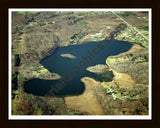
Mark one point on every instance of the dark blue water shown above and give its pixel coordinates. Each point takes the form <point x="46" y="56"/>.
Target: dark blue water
<point x="72" y="70"/>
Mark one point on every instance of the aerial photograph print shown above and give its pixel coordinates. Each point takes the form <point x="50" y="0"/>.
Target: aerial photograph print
<point x="79" y="63"/>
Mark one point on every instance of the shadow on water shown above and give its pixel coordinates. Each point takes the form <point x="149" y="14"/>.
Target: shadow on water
<point x="72" y="70"/>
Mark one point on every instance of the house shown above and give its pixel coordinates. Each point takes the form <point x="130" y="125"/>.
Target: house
<point x="109" y="91"/>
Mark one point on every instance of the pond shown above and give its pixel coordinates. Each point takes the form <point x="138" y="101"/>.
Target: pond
<point x="72" y="70"/>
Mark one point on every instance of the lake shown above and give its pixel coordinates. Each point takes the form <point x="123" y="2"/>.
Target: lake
<point x="72" y="70"/>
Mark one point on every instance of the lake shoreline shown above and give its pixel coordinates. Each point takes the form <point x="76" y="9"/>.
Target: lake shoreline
<point x="117" y="80"/>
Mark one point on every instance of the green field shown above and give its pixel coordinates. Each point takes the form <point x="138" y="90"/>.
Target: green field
<point x="23" y="12"/>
